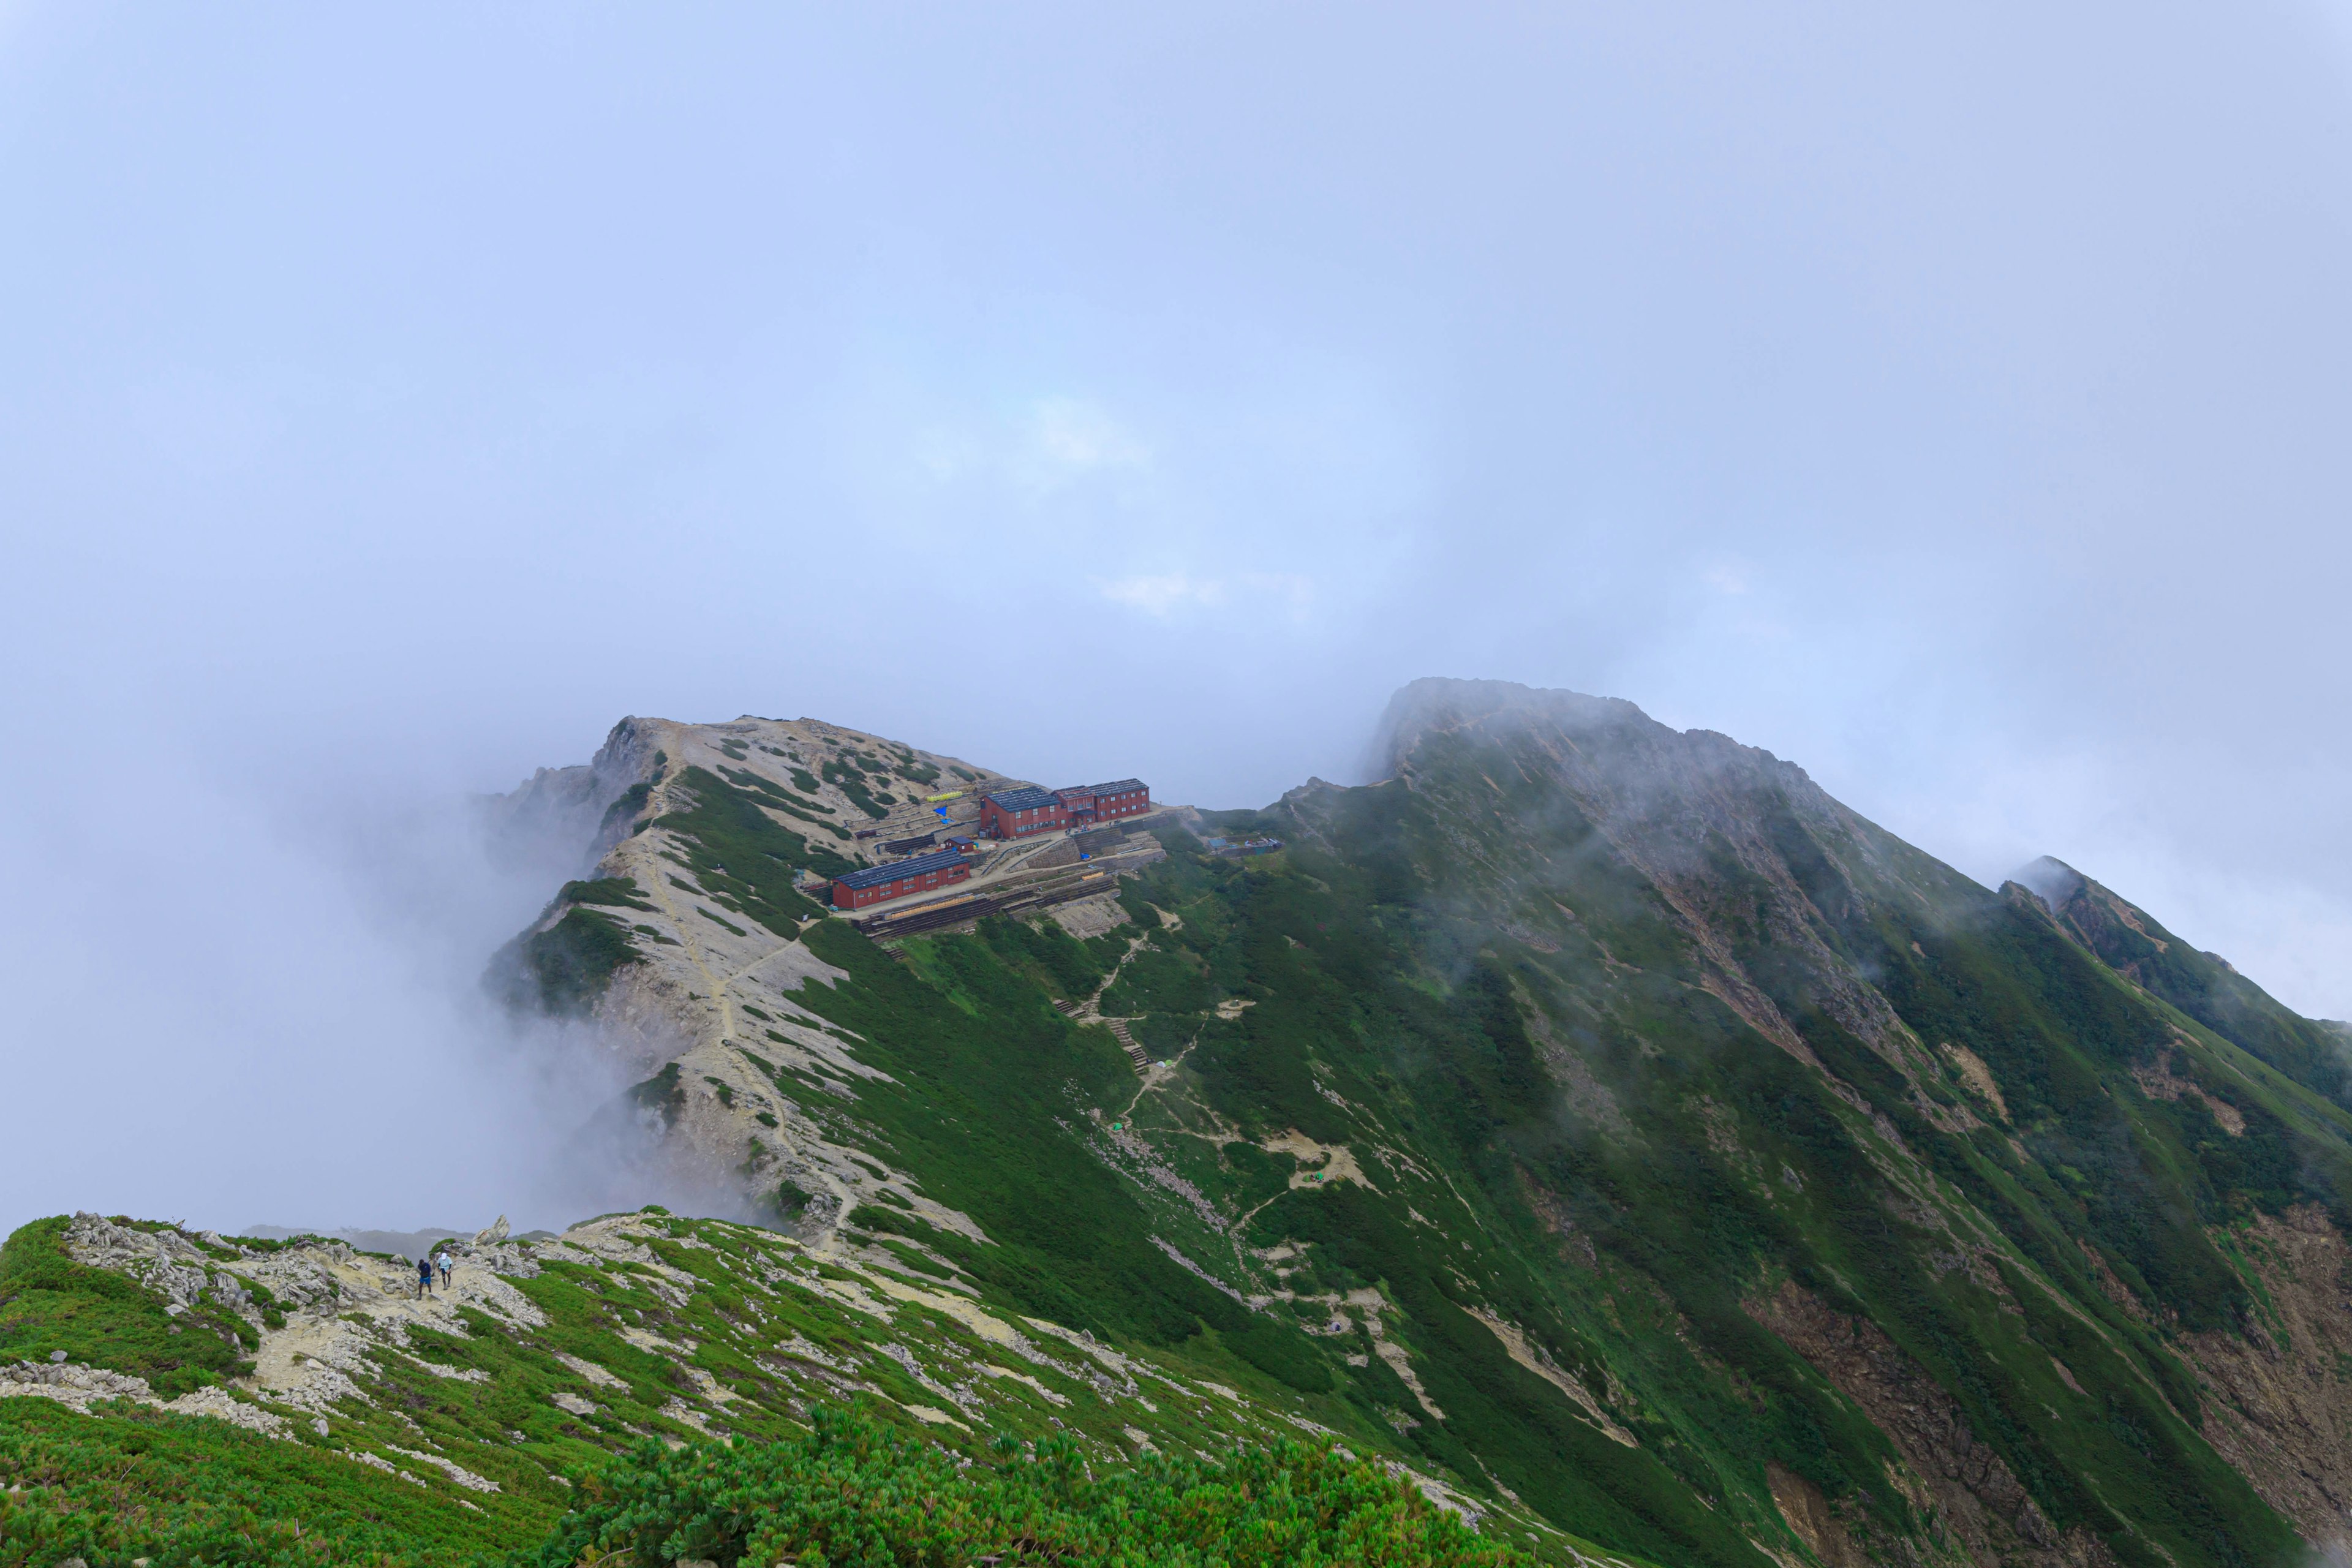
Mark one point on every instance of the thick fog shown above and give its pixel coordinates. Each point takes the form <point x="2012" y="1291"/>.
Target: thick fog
<point x="1952" y="399"/>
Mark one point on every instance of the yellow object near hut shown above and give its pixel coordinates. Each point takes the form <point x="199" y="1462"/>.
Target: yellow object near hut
<point x="935" y="799"/>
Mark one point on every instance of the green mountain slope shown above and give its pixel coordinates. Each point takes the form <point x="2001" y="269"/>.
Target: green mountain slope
<point x="334" y="1415"/>
<point x="2129" y="941"/>
<point x="1597" y="1119"/>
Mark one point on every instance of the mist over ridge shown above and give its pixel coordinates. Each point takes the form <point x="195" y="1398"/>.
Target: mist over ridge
<point x="422" y="1099"/>
<point x="1788" y="390"/>
<point x="1507" y="1116"/>
<point x="1727" y="619"/>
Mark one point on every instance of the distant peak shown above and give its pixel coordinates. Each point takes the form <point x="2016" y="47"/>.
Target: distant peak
<point x="2051" y="879"/>
<point x="1436" y="703"/>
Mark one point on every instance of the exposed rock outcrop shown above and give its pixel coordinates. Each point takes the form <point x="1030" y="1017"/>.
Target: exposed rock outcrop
<point x="1979" y="1506"/>
<point x="2279" y="1404"/>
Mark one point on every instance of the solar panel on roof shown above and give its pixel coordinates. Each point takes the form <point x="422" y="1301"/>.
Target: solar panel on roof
<point x="921" y="865"/>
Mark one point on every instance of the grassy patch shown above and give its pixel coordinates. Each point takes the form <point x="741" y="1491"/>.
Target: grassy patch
<point x="980" y="1097"/>
<point x="615" y="892"/>
<point x="50" y="1303"/>
<point x="562" y="970"/>
<point x="851" y="781"/>
<point x="184" y="1489"/>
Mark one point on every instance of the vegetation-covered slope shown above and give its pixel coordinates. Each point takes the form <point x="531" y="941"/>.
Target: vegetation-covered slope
<point x="180" y="1491"/>
<point x="346" y="1419"/>
<point x="1639" y="1134"/>
<point x="1598" y="1117"/>
<point x="2129" y="940"/>
<point x="851" y="1493"/>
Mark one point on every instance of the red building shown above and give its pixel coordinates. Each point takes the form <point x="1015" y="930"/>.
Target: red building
<point x="857" y="890"/>
<point x="1106" y="802"/>
<point x="1020" y="812"/>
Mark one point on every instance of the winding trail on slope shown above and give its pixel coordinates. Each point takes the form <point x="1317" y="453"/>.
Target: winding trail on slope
<point x="825" y="1238"/>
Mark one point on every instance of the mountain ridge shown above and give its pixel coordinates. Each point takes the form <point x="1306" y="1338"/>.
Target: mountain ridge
<point x="1600" y="1117"/>
<point x="1733" y="869"/>
<point x="1751" y="875"/>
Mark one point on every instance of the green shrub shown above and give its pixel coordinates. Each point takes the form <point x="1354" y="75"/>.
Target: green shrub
<point x="855" y="1492"/>
<point x="619" y="892"/>
<point x="564" y="969"/>
<point x="632" y="800"/>
<point x="190" y="1492"/>
<point x="1071" y="968"/>
<point x="851" y="783"/>
<point x="661" y="1094"/>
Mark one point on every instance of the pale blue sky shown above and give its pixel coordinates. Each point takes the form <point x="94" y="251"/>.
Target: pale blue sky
<point x="1950" y="398"/>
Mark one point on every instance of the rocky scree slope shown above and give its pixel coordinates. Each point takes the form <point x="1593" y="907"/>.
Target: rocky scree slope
<point x="679" y="938"/>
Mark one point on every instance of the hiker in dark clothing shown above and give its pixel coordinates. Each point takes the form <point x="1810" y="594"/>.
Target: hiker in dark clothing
<point x="423" y="1277"/>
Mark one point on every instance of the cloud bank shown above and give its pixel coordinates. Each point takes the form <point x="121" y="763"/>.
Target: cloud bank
<point x="1949" y="401"/>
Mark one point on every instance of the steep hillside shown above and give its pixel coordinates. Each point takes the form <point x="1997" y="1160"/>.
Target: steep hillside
<point x="1621" y="1123"/>
<point x="679" y="932"/>
<point x="2202" y="984"/>
<point x="1597" y="1119"/>
<point x="322" y="1410"/>
<point x="2043" y="1262"/>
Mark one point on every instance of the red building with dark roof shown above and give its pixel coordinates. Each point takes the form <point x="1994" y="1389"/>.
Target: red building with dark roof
<point x="1106" y="802"/>
<point x="856" y="890"/>
<point x="1020" y="812"/>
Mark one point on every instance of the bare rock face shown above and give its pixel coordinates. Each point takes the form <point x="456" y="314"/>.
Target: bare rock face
<point x="1980" y="1504"/>
<point x="2278" y="1406"/>
<point x="553" y="813"/>
<point x="72" y="1383"/>
<point x="76" y="1387"/>
<point x="702" y="1015"/>
<point x="163" y="1260"/>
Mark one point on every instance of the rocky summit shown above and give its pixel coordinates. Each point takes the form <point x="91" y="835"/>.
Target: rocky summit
<point x="1592" y="1139"/>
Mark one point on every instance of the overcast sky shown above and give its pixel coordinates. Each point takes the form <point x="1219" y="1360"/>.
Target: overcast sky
<point x="1952" y="399"/>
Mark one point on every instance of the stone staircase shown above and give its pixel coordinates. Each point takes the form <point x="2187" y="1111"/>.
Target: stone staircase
<point x="1135" y="1053"/>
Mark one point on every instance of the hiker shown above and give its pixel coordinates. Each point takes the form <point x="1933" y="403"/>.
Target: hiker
<point x="423" y="1277"/>
<point x="444" y="1262"/>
